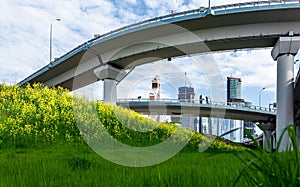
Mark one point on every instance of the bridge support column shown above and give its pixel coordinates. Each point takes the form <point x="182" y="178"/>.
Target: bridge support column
<point x="176" y="118"/>
<point x="110" y="91"/>
<point x="284" y="52"/>
<point x="267" y="136"/>
<point x="267" y="141"/>
<point x="110" y="75"/>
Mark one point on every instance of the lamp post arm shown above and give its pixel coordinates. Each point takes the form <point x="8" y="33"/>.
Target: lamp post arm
<point x="50" y="56"/>
<point x="260" y="96"/>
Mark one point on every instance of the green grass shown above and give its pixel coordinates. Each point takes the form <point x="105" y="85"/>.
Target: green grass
<point x="77" y="165"/>
<point x="272" y="169"/>
<point x="41" y="145"/>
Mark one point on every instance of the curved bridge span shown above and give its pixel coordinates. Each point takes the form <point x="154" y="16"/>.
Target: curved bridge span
<point x="238" y="26"/>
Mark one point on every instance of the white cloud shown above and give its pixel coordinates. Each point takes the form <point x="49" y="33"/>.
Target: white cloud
<point x="172" y="76"/>
<point x="153" y="3"/>
<point x="24" y="38"/>
<point x="133" y="2"/>
<point x="256" y="68"/>
<point x="25" y="28"/>
<point x="138" y="83"/>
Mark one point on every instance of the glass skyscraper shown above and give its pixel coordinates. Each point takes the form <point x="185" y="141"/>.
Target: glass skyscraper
<point x="234" y="89"/>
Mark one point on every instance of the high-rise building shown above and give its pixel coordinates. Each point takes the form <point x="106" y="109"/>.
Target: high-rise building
<point x="186" y="94"/>
<point x="234" y="95"/>
<point x="234" y="89"/>
<point x="251" y="128"/>
<point x="217" y="126"/>
<point x="155" y="92"/>
<point x="204" y="125"/>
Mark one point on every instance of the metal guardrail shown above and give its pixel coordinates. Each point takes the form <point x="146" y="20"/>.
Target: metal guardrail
<point x="197" y="102"/>
<point x="254" y="3"/>
<point x="184" y="13"/>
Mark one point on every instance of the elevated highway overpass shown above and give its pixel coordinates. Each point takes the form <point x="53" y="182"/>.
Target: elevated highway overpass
<point x="214" y="109"/>
<point x="227" y="27"/>
<point x="246" y="25"/>
<point x="265" y="117"/>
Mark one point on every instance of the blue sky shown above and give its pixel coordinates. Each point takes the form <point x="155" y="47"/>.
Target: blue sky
<point x="24" y="45"/>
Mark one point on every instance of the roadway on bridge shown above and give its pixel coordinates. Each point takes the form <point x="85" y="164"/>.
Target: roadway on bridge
<point x="214" y="109"/>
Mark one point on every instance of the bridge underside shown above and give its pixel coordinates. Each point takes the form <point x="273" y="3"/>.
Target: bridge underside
<point x="225" y="112"/>
<point x="175" y="37"/>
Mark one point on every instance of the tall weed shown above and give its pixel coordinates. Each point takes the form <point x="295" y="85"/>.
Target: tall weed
<point x="271" y="169"/>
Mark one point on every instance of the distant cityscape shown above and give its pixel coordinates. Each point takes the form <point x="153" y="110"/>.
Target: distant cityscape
<point x="208" y="125"/>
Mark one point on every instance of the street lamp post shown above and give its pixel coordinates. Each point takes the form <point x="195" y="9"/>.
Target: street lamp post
<point x="260" y="96"/>
<point x="51" y="37"/>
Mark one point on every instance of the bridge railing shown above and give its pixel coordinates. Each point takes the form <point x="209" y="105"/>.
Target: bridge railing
<point x="254" y="3"/>
<point x="172" y="15"/>
<point x="199" y="102"/>
<point x="196" y="11"/>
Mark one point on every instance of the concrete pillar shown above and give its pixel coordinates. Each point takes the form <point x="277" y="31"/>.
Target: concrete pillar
<point x="284" y="51"/>
<point x="176" y="118"/>
<point x="267" y="136"/>
<point x="267" y="141"/>
<point x="110" y="75"/>
<point x="274" y="141"/>
<point x="285" y="96"/>
<point x="110" y="91"/>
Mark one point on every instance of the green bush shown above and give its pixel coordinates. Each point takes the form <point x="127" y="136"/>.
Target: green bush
<point x="36" y="115"/>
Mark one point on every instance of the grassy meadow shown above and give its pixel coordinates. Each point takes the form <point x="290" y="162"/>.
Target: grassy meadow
<point x="44" y="135"/>
<point x="77" y="165"/>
